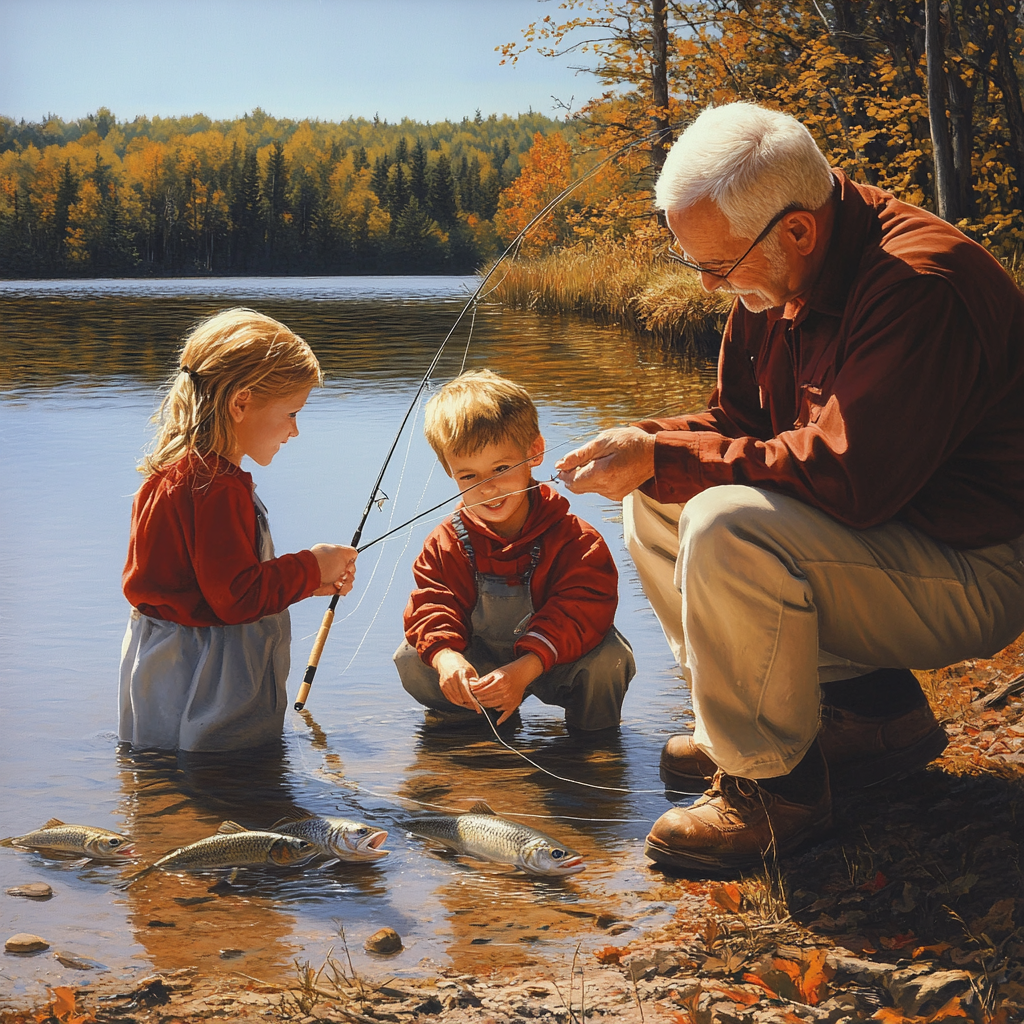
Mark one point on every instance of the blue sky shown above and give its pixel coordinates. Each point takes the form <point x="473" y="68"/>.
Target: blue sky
<point x="428" y="60"/>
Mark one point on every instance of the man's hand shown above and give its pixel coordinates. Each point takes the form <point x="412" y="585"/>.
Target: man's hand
<point x="337" y="569"/>
<point x="456" y="678"/>
<point x="503" y="688"/>
<point x="613" y="464"/>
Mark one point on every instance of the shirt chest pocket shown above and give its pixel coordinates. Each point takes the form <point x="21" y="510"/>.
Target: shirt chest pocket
<point x="811" y="402"/>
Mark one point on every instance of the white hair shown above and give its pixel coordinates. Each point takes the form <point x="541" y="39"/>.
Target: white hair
<point x="750" y="161"/>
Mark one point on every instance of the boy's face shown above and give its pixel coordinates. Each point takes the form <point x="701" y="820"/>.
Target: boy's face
<point x="501" y="503"/>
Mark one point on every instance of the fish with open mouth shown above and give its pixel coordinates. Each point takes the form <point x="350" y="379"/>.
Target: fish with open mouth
<point x="341" y="839"/>
<point x="482" y="834"/>
<point x="243" y="849"/>
<point x="61" y="838"/>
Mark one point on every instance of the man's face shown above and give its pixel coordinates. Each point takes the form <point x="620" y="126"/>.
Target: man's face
<point x="763" y="280"/>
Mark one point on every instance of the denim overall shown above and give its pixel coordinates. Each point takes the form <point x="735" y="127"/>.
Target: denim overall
<point x="590" y="689"/>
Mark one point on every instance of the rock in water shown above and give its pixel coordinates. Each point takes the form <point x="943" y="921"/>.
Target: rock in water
<point x="76" y="962"/>
<point x="34" y="890"/>
<point x="387" y="940"/>
<point x="25" y="943"/>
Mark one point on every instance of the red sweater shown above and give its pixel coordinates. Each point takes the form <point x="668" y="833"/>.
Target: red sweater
<point x="895" y="392"/>
<point x="574" y="587"/>
<point x="193" y="555"/>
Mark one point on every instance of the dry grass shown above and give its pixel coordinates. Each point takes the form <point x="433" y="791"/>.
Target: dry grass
<point x="618" y="284"/>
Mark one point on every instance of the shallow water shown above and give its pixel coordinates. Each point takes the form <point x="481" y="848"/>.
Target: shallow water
<point x="80" y="368"/>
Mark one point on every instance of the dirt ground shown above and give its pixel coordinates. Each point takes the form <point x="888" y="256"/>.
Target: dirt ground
<point x="911" y="912"/>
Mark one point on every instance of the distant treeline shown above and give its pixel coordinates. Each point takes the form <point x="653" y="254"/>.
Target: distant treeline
<point x="256" y="195"/>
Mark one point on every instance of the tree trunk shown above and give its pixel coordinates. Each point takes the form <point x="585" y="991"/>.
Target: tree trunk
<point x="1009" y="85"/>
<point x="961" y="120"/>
<point x="942" y="151"/>
<point x="659" y="82"/>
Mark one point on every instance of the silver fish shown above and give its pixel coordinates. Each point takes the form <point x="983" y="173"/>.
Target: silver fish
<point x="79" y="840"/>
<point x="484" y="835"/>
<point x="339" y="838"/>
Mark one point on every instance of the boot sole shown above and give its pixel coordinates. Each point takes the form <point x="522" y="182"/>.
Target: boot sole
<point x="696" y="860"/>
<point x="899" y="764"/>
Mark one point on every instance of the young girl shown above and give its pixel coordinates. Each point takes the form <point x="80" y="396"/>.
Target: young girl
<point x="206" y="653"/>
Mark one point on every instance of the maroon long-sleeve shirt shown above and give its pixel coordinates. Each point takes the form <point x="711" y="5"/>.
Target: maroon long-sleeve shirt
<point x="896" y="391"/>
<point x="193" y="555"/>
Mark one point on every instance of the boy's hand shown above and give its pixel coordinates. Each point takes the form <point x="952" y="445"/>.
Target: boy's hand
<point x="337" y="569"/>
<point x="503" y="688"/>
<point x="456" y="677"/>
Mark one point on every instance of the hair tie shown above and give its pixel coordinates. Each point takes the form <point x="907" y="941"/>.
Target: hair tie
<point x="192" y="375"/>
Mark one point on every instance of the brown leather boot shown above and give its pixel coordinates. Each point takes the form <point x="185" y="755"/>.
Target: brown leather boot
<point x="860" y="751"/>
<point x="737" y="824"/>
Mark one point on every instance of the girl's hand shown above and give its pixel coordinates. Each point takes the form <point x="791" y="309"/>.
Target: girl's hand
<point x="456" y="676"/>
<point x="503" y="688"/>
<point x="337" y="569"/>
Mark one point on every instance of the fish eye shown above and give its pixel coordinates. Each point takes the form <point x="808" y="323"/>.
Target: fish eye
<point x="362" y="831"/>
<point x="114" y="842"/>
<point x="558" y="854"/>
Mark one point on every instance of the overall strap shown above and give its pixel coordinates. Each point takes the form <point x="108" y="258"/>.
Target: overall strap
<point x="463" y="534"/>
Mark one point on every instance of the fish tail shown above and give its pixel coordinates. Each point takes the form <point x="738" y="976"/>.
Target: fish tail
<point x="122" y="886"/>
<point x="9" y="841"/>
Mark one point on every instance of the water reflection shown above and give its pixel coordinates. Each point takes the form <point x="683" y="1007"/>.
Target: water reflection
<point x="204" y="918"/>
<point x="78" y="378"/>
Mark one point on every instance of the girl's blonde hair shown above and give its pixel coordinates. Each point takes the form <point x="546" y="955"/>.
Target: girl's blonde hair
<point x="234" y="350"/>
<point x="476" y="409"/>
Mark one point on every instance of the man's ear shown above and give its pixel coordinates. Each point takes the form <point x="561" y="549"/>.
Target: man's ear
<point x="801" y="231"/>
<point x="535" y="453"/>
<point x="239" y="403"/>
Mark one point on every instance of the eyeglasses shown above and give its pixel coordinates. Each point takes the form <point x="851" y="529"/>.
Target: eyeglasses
<point x="677" y="256"/>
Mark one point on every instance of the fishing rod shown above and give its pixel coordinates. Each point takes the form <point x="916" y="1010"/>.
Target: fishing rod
<point x="328" y="619"/>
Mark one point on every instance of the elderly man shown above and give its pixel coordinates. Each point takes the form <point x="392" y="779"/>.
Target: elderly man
<point x="854" y="495"/>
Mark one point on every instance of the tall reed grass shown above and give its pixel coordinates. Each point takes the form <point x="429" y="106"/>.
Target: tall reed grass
<point x="618" y="284"/>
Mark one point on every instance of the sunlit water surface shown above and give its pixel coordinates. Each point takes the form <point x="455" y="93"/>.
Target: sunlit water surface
<point x="81" y="364"/>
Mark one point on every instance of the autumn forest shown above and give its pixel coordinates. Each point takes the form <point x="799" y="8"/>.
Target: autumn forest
<point x="922" y="98"/>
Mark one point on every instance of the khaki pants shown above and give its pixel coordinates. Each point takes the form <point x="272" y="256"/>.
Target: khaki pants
<point x="762" y="597"/>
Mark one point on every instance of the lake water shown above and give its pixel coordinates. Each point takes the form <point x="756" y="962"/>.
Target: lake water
<point x="81" y="364"/>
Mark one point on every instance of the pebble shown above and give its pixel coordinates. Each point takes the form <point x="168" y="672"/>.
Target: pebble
<point x="34" y="890"/>
<point x="387" y="940"/>
<point x="76" y="962"/>
<point x="23" y="942"/>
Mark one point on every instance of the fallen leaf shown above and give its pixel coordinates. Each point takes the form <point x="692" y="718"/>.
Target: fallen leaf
<point x="938" y="949"/>
<point x="728" y="897"/>
<point x="609" y="954"/>
<point x="739" y="995"/>
<point x="753" y="979"/>
<point x="876" y="883"/>
<point x="63" y="1002"/>
<point x="898" y="941"/>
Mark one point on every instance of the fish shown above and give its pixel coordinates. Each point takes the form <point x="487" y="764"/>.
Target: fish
<point x="246" y="849"/>
<point x="482" y="834"/>
<point x="338" y="838"/>
<point x="59" y="837"/>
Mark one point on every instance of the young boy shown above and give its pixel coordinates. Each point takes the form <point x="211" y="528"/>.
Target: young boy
<point x="514" y="595"/>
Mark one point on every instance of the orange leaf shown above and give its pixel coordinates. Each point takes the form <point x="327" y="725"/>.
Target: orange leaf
<point x="888" y="1015"/>
<point x="738" y="995"/>
<point x="609" y="954"/>
<point x="753" y="979"/>
<point x="63" y="1002"/>
<point x="728" y="897"/>
<point x="952" y="1010"/>
<point x="898" y="941"/>
<point x="938" y="949"/>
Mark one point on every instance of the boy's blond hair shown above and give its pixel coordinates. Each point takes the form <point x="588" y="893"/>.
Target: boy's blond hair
<point x="476" y="409"/>
<point x="234" y="350"/>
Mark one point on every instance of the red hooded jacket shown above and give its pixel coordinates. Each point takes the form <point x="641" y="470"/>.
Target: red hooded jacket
<point x="574" y="587"/>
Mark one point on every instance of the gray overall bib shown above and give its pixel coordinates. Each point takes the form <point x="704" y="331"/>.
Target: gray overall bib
<point x="205" y="688"/>
<point x="590" y="689"/>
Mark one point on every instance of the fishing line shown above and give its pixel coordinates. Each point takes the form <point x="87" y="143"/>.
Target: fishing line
<point x="455" y="497"/>
<point x="513" y="246"/>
